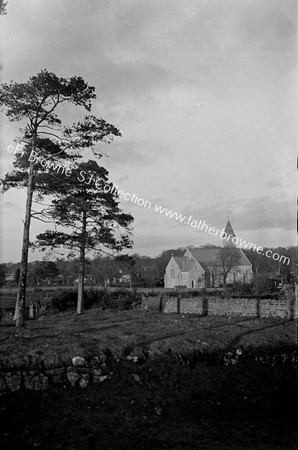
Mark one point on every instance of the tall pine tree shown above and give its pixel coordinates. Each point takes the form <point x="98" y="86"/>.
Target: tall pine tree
<point x="44" y="140"/>
<point x="87" y="217"/>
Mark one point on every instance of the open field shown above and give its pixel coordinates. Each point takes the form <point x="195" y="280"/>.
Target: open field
<point x="135" y="331"/>
<point x="175" y="399"/>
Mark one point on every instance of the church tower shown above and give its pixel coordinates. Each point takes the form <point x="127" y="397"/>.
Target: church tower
<point x="229" y="235"/>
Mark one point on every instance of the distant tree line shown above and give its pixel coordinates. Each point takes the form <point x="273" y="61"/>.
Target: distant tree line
<point x="142" y="271"/>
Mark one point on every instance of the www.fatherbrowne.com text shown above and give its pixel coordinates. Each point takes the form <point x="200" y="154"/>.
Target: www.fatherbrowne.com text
<point x="90" y="178"/>
<point x="201" y="225"/>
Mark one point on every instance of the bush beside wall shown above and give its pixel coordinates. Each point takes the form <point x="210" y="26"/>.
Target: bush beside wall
<point x="117" y="300"/>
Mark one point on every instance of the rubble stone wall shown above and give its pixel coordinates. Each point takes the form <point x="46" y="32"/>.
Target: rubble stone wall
<point x="282" y="308"/>
<point x="77" y="372"/>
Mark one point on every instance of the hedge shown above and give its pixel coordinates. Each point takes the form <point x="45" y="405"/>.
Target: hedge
<point x="119" y="300"/>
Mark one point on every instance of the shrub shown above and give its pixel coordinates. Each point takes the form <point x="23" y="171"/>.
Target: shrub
<point x="37" y="289"/>
<point x="96" y="297"/>
<point x="287" y="291"/>
<point x="114" y="300"/>
<point x="122" y="299"/>
<point x="210" y="292"/>
<point x="239" y="290"/>
<point x="174" y="294"/>
<point x="194" y="293"/>
<point x="65" y="300"/>
<point x="262" y="284"/>
<point x="151" y="294"/>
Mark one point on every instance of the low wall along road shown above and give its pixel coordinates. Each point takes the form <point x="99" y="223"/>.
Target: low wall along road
<point x="280" y="308"/>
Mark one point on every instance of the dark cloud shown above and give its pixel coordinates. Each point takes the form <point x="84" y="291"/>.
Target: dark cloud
<point x="267" y="212"/>
<point x="248" y="214"/>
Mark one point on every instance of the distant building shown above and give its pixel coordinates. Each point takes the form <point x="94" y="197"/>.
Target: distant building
<point x="10" y="276"/>
<point x="125" y="278"/>
<point x="121" y="279"/>
<point x="203" y="267"/>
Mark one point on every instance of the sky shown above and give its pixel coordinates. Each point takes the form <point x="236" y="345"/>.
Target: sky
<point x="204" y="93"/>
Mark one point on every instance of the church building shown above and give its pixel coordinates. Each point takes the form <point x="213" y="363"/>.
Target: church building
<point x="209" y="267"/>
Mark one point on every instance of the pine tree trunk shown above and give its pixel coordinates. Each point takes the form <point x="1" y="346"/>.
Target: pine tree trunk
<point x="19" y="315"/>
<point x="80" y="303"/>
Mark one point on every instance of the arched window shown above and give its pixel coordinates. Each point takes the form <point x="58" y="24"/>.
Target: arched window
<point x="192" y="283"/>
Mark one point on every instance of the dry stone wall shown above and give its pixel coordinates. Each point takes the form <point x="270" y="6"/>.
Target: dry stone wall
<point x="38" y="373"/>
<point x="282" y="308"/>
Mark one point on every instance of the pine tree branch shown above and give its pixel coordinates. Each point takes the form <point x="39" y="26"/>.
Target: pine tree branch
<point x="41" y="220"/>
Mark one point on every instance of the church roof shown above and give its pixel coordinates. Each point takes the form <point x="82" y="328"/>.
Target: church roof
<point x="188" y="264"/>
<point x="211" y="256"/>
<point x="179" y="261"/>
<point x="185" y="264"/>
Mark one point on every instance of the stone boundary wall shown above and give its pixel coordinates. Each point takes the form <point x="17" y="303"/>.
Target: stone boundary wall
<point x="152" y="303"/>
<point x="39" y="374"/>
<point x="282" y="308"/>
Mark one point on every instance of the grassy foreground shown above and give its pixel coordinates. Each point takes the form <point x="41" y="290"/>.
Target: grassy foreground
<point x="175" y="399"/>
<point x="135" y="331"/>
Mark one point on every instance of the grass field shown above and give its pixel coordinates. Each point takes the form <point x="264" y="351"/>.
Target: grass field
<point x="70" y="334"/>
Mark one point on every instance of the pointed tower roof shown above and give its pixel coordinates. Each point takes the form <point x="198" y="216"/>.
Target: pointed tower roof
<point x="229" y="229"/>
<point x="227" y="241"/>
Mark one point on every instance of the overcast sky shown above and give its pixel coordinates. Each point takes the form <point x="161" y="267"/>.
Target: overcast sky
<point x="204" y="93"/>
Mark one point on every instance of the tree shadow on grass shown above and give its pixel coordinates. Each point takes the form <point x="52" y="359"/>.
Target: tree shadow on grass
<point x="93" y="330"/>
<point x="234" y="322"/>
<point x="145" y="344"/>
<point x="236" y="340"/>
